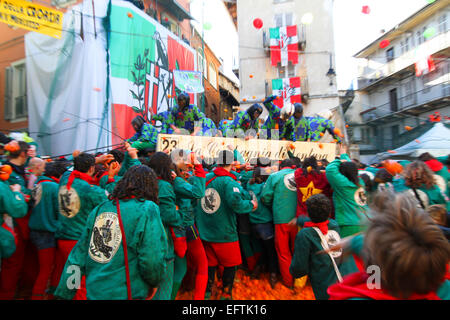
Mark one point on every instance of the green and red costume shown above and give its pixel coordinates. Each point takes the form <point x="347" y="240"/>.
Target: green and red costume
<point x="99" y="253"/>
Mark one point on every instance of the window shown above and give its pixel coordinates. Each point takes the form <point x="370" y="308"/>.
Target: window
<point x="390" y="54"/>
<point x="419" y="37"/>
<point x="201" y="63"/>
<point x="16" y="92"/>
<point x="213" y="75"/>
<point x="286" y="72"/>
<point x="442" y="23"/>
<point x="62" y="3"/>
<point x="284" y="19"/>
<point x="170" y="24"/>
<point x="402" y="47"/>
<point x="409" y="92"/>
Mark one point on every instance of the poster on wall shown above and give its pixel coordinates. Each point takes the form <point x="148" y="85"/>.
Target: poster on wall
<point x="142" y="71"/>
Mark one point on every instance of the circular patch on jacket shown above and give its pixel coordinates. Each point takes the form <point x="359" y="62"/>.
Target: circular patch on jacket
<point x="36" y="194"/>
<point x="69" y="202"/>
<point x="106" y="237"/>
<point x="211" y="201"/>
<point x="289" y="182"/>
<point x="333" y="238"/>
<point x="360" y="197"/>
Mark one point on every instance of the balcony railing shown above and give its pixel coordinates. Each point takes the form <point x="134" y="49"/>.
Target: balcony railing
<point x="408" y="102"/>
<point x="377" y="70"/>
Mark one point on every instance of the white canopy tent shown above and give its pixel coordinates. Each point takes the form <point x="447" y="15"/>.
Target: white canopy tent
<point x="436" y="141"/>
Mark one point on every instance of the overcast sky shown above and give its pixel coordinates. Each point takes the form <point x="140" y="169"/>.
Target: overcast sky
<point x="353" y="29"/>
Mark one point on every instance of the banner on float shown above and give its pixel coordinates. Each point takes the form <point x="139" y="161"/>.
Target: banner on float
<point x="188" y="81"/>
<point x="209" y="147"/>
<point x="143" y="57"/>
<point x="32" y="16"/>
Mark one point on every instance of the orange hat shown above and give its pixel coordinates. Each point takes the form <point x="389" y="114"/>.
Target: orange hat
<point x="393" y="167"/>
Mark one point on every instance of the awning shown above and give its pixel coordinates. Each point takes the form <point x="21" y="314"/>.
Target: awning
<point x="177" y="9"/>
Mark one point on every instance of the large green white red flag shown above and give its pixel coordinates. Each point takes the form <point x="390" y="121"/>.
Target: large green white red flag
<point x="288" y="91"/>
<point x="283" y="45"/>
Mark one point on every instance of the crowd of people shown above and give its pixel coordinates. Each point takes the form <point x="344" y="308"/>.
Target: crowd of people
<point x="138" y="224"/>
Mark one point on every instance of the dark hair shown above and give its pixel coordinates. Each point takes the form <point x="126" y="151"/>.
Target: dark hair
<point x="140" y="182"/>
<point x="258" y="176"/>
<point x="263" y="162"/>
<point x="118" y="155"/>
<point x="408" y="247"/>
<point x="23" y="147"/>
<point x="138" y="122"/>
<point x="310" y="162"/>
<point x="83" y="162"/>
<point x="382" y="176"/>
<point x="318" y="207"/>
<point x="367" y="182"/>
<point x="225" y="158"/>
<point x="350" y="171"/>
<point x="426" y="156"/>
<point x="287" y="163"/>
<point x="161" y="163"/>
<point x="54" y="169"/>
<point x="359" y="164"/>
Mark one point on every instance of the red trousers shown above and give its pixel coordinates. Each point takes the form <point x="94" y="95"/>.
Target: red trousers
<point x="284" y="245"/>
<point x="64" y="248"/>
<point x="46" y="267"/>
<point x="196" y="257"/>
<point x="19" y="270"/>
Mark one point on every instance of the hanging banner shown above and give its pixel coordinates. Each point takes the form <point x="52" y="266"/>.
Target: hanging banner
<point x="188" y="81"/>
<point x="32" y="16"/>
<point x="209" y="147"/>
<point x="143" y="58"/>
<point x="287" y="90"/>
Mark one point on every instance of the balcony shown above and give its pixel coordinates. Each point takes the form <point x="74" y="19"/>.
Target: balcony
<point x="300" y="34"/>
<point x="428" y="99"/>
<point x="375" y="71"/>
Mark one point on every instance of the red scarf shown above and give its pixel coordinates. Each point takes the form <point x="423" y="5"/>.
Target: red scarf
<point x="199" y="171"/>
<point x="323" y="226"/>
<point x="79" y="175"/>
<point x="434" y="165"/>
<point x="355" y="286"/>
<point x="221" y="172"/>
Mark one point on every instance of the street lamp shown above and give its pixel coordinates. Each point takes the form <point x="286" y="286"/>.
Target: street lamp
<point x="331" y="74"/>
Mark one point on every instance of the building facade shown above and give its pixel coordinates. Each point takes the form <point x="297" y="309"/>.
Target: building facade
<point x="404" y="77"/>
<point x="315" y="50"/>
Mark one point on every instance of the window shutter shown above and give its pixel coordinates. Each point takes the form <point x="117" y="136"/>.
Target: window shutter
<point x="8" y="93"/>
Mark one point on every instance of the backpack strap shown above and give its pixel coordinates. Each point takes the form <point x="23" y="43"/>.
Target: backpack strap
<point x="418" y="198"/>
<point x="125" y="251"/>
<point x="210" y="180"/>
<point x="325" y="246"/>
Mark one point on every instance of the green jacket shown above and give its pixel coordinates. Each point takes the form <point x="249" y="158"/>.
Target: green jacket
<point x="318" y="267"/>
<point x="44" y="215"/>
<point x="75" y="206"/>
<point x="350" y="203"/>
<point x="99" y="252"/>
<point x="13" y="204"/>
<point x="216" y="214"/>
<point x="263" y="214"/>
<point x="280" y="194"/>
<point x="170" y="217"/>
<point x="186" y="193"/>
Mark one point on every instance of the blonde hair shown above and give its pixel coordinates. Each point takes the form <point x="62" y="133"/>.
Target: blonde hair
<point x="438" y="213"/>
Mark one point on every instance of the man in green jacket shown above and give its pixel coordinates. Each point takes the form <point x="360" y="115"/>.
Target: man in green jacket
<point x="280" y="194"/>
<point x="77" y="197"/>
<point x="216" y="222"/>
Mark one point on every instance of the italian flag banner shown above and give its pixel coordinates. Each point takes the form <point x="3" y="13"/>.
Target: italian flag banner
<point x="288" y="91"/>
<point x="283" y="45"/>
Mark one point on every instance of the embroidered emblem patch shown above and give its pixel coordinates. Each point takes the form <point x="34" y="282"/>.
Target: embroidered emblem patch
<point x="106" y="237"/>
